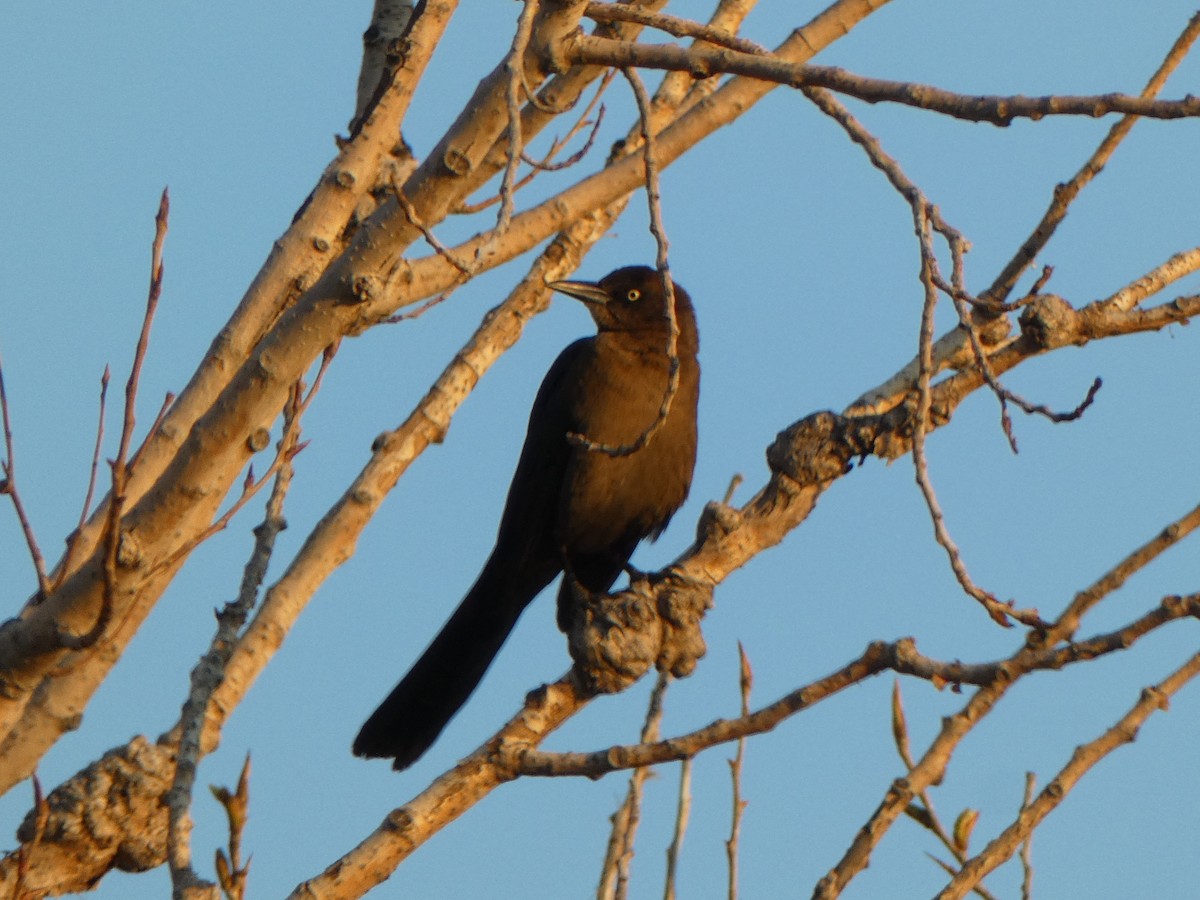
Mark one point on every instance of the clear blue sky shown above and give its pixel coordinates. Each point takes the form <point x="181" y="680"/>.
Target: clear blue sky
<point x="804" y="269"/>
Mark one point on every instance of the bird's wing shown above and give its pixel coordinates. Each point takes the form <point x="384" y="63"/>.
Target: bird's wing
<point x="530" y="513"/>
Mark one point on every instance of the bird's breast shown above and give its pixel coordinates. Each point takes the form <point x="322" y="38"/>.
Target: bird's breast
<point x="609" y="498"/>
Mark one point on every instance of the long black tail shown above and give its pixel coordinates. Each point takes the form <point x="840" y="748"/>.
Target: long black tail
<point x="408" y="722"/>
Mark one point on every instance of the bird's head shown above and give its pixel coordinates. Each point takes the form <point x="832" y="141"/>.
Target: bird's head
<point x="629" y="299"/>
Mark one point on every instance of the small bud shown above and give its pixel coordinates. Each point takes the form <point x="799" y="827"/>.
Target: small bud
<point x="963" y="826"/>
<point x="258" y="440"/>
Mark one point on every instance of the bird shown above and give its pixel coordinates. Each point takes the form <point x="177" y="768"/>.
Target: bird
<point x="576" y="505"/>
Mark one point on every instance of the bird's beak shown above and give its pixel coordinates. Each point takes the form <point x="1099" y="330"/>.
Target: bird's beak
<point x="587" y="291"/>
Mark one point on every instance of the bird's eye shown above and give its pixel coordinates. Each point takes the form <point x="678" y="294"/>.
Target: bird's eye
<point x="634" y="294"/>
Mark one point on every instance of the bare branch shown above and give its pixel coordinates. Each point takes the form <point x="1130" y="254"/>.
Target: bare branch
<point x="382" y="41"/>
<point x="926" y="218"/>
<point x="710" y="34"/>
<point x="1153" y="699"/>
<point x="736" y="766"/>
<point x="614" y="874"/>
<point x="429" y="276"/>
<point x="515" y="65"/>
<point x="1068" y="623"/>
<point x="8" y="485"/>
<point x="1027" y="845"/>
<point x="900" y="656"/>
<point x="119" y="467"/>
<point x="930" y="769"/>
<point x="317" y="234"/>
<point x="72" y="539"/>
<point x="409" y="826"/>
<point x="546" y="164"/>
<point x="704" y="62"/>
<point x="683" y="810"/>
<point x="210" y="670"/>
<point x="1065" y="194"/>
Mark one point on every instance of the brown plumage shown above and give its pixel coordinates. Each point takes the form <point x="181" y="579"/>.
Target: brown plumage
<point x="569" y="508"/>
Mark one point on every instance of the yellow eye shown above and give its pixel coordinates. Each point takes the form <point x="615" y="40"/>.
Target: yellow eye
<point x="634" y="294"/>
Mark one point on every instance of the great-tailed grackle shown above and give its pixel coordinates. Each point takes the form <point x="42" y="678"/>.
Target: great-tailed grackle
<point x="570" y="507"/>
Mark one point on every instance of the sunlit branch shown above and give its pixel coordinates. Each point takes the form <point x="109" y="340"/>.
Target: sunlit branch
<point x="711" y="34"/>
<point x="209" y="672"/>
<point x="614" y="873"/>
<point x="704" y="62"/>
<point x="1153" y="699"/>
<point x="1065" y="193"/>
<point x="901" y="657"/>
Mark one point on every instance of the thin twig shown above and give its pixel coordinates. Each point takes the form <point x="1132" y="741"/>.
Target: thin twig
<point x="611" y="12"/>
<point x="556" y="145"/>
<point x="168" y="399"/>
<point x="515" y="63"/>
<point x="654" y="202"/>
<point x="705" y="62"/>
<point x="1027" y="844"/>
<point x="9" y="486"/>
<point x="91" y="488"/>
<point x="1065" y="194"/>
<point x="119" y="466"/>
<point x="251" y="485"/>
<point x="422" y="309"/>
<point x="72" y="540"/>
<point x="614" y="875"/>
<point x="1152" y="699"/>
<point x="736" y="766"/>
<point x="414" y="218"/>
<point x="925" y="814"/>
<point x="682" y="812"/>
<point x="209" y="671"/>
<point x="545" y="165"/>
<point x="998" y="611"/>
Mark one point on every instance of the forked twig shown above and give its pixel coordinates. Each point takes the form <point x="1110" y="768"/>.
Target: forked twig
<point x="545" y="164"/>
<point x="1065" y="193"/>
<point x="1153" y="699"/>
<point x="921" y="419"/>
<point x="925" y="814"/>
<point x="555" y="147"/>
<point x="251" y="485"/>
<point x="119" y="466"/>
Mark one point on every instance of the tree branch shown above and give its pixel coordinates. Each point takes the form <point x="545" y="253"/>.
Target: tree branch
<point x="704" y="62"/>
<point x="1153" y="699"/>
